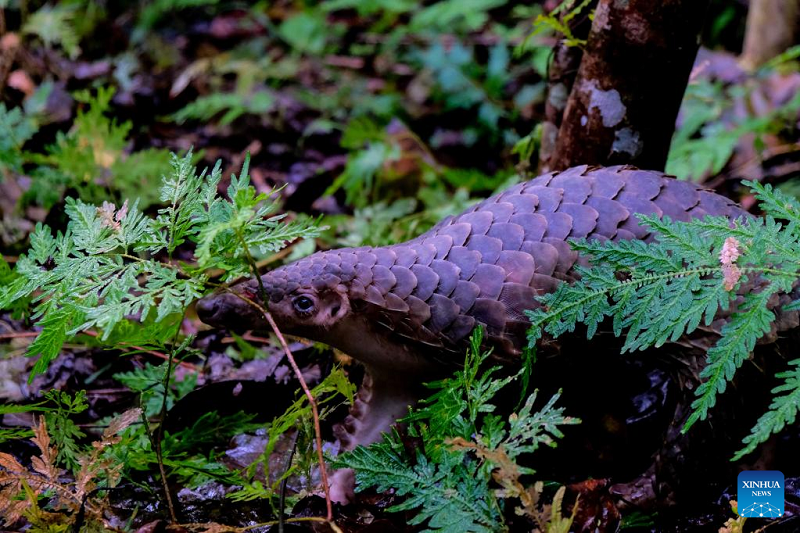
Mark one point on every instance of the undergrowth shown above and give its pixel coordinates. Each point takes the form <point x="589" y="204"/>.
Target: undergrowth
<point x="716" y="117"/>
<point x="657" y="292"/>
<point x="466" y="475"/>
<point x="90" y="160"/>
<point x="112" y="274"/>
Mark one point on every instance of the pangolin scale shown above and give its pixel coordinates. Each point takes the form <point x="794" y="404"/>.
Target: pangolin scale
<point x="408" y="309"/>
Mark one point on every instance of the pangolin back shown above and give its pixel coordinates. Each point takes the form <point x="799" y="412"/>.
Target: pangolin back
<point x="487" y="265"/>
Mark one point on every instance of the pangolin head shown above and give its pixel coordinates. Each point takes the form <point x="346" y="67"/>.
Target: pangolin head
<point x="306" y="298"/>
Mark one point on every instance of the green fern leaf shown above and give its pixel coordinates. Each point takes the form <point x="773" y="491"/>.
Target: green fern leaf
<point x="782" y="412"/>
<point x="48" y="343"/>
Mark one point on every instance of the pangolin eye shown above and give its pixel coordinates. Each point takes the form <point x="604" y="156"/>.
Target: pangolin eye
<point x="303" y="304"/>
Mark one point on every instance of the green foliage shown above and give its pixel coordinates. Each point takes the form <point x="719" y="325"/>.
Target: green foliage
<point x="305" y="32"/>
<point x="782" y="412"/>
<point x="29" y="491"/>
<point x="8" y="434"/>
<point x="149" y="381"/>
<point x="90" y="277"/>
<point x="104" y="272"/>
<point x="63" y="430"/>
<point x="372" y="186"/>
<point x="58" y="408"/>
<point x="465" y="446"/>
<point x="372" y="150"/>
<point x="55" y="25"/>
<point x="155" y="11"/>
<point x="91" y="159"/>
<point x="189" y="455"/>
<point x="458" y="76"/>
<point x="16" y="128"/>
<point x="230" y="105"/>
<point x="463" y="84"/>
<point x="8" y="277"/>
<point x="334" y="387"/>
<point x="658" y="292"/>
<point x="704" y="143"/>
<point x="559" y="20"/>
<point x="232" y="228"/>
<point x="462" y="15"/>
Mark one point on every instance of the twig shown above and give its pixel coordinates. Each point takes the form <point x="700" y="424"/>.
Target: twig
<point x="157" y="445"/>
<point x="154" y="353"/>
<point x="91" y="333"/>
<point x="18" y="335"/>
<point x="205" y="526"/>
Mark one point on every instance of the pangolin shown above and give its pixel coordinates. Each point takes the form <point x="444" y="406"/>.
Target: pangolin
<point x="406" y="311"/>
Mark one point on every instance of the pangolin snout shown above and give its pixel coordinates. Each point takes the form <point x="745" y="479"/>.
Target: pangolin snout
<point x="225" y="310"/>
<point x="207" y="309"/>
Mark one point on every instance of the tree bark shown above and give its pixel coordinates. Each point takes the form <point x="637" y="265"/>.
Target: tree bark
<point x="630" y="84"/>
<point x="771" y="29"/>
<point x="561" y="74"/>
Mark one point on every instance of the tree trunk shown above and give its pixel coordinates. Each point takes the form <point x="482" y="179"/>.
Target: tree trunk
<point x="630" y="84"/>
<point x="771" y="29"/>
<point x="561" y="73"/>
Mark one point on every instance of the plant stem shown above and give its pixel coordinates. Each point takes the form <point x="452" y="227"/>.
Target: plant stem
<point x="158" y="438"/>
<point x="157" y="447"/>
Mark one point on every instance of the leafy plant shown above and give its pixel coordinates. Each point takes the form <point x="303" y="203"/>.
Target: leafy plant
<point x="91" y="159"/>
<point x="154" y="12"/>
<point x="372" y="150"/>
<point x="558" y="20"/>
<point x="16" y="128"/>
<point x="149" y="381"/>
<point x="79" y="504"/>
<point x="306" y="32"/>
<point x="658" y="292"/>
<point x="90" y="275"/>
<point x="112" y="270"/>
<point x="704" y="143"/>
<point x="463" y="84"/>
<point x="63" y="430"/>
<point x="334" y="387"/>
<point x="57" y="409"/>
<point x="466" y="448"/>
<point x="462" y="15"/>
<point x="230" y="105"/>
<point x="55" y="25"/>
<point x="189" y="455"/>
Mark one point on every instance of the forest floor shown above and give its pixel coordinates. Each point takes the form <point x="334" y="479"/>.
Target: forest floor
<point x="383" y="117"/>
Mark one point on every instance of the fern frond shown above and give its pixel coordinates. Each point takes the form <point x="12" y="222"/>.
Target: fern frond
<point x="782" y="412"/>
<point x="55" y="25"/>
<point x="450" y="480"/>
<point x="777" y="204"/>
<point x="229" y="105"/>
<point x="88" y="277"/>
<point x="657" y="292"/>
<point x="738" y="339"/>
<point x="16" y="128"/>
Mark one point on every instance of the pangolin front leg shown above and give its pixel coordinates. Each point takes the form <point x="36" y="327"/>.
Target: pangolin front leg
<point x="407" y="310"/>
<point x="378" y="404"/>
